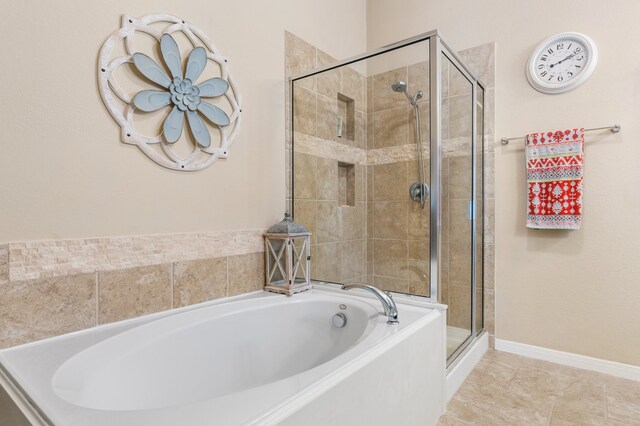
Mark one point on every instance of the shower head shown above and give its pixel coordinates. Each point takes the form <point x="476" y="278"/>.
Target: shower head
<point x="399" y="86"/>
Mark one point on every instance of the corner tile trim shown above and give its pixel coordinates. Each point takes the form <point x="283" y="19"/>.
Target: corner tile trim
<point x="44" y="259"/>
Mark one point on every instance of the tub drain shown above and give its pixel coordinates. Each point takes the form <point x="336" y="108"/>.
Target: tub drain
<point x="339" y="320"/>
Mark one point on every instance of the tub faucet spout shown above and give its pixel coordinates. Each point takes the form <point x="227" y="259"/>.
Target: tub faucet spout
<point x="390" y="308"/>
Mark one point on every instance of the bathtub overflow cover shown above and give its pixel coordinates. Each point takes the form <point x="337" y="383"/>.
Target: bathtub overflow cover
<point x="343" y="306"/>
<point x="340" y="320"/>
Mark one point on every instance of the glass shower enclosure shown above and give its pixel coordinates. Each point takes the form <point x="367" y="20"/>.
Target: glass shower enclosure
<point x="387" y="167"/>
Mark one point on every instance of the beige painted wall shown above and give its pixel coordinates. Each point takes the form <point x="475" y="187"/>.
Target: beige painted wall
<point x="66" y="174"/>
<point x="574" y="291"/>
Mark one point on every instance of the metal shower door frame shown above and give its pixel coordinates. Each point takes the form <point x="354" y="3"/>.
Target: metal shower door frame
<point x="437" y="48"/>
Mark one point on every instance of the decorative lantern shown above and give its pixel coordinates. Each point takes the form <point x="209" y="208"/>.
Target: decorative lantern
<point x="287" y="247"/>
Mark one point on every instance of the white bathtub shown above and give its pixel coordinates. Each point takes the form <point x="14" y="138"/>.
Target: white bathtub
<point x="258" y="359"/>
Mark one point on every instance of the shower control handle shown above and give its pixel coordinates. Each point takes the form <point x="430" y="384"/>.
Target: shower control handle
<point x="417" y="194"/>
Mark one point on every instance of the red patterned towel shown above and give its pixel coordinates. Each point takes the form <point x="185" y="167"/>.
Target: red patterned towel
<point x="554" y="179"/>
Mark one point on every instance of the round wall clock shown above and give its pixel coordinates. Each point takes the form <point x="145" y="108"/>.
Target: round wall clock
<point x="562" y="62"/>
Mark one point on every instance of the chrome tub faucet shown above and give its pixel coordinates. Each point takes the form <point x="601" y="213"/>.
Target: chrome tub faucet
<point x="390" y="308"/>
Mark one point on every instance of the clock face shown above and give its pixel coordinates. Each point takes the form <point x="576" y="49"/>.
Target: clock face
<point x="562" y="63"/>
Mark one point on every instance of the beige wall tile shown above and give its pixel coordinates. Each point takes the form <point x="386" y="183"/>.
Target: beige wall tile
<point x="489" y="220"/>
<point x="418" y="262"/>
<point x="418" y="79"/>
<point x="4" y="264"/>
<point x="391" y="127"/>
<point x="390" y="219"/>
<point x="328" y="262"/>
<point x="444" y="274"/>
<point x="460" y="225"/>
<point x="304" y="114"/>
<point x="460" y="108"/>
<point x="425" y="126"/>
<point x="353" y="86"/>
<point x="360" y="183"/>
<point x="327" y="179"/>
<point x="413" y="176"/>
<point x="361" y="130"/>
<point x="199" y="280"/>
<point x="489" y="311"/>
<point x="391" y="284"/>
<point x="369" y="83"/>
<point x="481" y="60"/>
<point x="246" y="273"/>
<point x="444" y="121"/>
<point x="370" y="131"/>
<point x="388" y="182"/>
<point x="328" y="222"/>
<point x="36" y="309"/>
<point x="419" y="220"/>
<point x="460" y="264"/>
<point x="132" y="292"/>
<point x="383" y="97"/>
<point x="329" y="82"/>
<point x="353" y="225"/>
<point x="327" y="116"/>
<point x="489" y="175"/>
<point x="489" y="265"/>
<point x="460" y="177"/>
<point x="305" y="214"/>
<point x="390" y="257"/>
<point x="370" y="219"/>
<point x="305" y="173"/>
<point x="489" y="112"/>
<point x="458" y="83"/>
<point x="460" y="307"/>
<point x="353" y="260"/>
<point x="300" y="57"/>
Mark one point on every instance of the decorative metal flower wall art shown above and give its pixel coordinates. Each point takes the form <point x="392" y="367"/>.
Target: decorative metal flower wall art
<point x="179" y="93"/>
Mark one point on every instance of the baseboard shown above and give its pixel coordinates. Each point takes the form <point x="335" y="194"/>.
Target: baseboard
<point x="465" y="364"/>
<point x="626" y="371"/>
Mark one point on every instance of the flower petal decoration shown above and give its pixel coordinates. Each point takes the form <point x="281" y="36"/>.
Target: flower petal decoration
<point x="213" y="113"/>
<point x="198" y="129"/>
<point x="151" y="100"/>
<point x="172" y="126"/>
<point x="171" y="55"/>
<point x="213" y="87"/>
<point x="151" y="70"/>
<point x="173" y="94"/>
<point x="196" y="63"/>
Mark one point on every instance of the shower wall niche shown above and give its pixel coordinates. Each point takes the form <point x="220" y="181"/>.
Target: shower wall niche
<point x="354" y="151"/>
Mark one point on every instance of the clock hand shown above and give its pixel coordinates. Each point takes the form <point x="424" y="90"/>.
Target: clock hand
<point x="568" y="57"/>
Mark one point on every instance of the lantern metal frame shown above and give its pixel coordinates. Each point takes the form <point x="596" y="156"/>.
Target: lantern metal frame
<point x="295" y="259"/>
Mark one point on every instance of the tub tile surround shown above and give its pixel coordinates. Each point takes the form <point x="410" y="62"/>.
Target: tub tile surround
<point x="171" y="271"/>
<point x="394" y="227"/>
<point x="511" y="389"/>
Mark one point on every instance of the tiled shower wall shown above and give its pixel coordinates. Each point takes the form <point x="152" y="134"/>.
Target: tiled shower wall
<point x="397" y="230"/>
<point x="49" y="288"/>
<point x="330" y="176"/>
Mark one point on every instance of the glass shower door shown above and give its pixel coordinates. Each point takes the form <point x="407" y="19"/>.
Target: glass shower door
<point x="457" y="165"/>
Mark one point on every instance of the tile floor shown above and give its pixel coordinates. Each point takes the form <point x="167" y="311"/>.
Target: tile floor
<point x="507" y="389"/>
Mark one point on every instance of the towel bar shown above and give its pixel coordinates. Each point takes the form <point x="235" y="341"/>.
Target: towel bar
<point x="614" y="129"/>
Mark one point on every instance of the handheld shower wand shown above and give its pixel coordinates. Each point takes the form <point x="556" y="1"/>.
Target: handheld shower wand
<point x="419" y="191"/>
